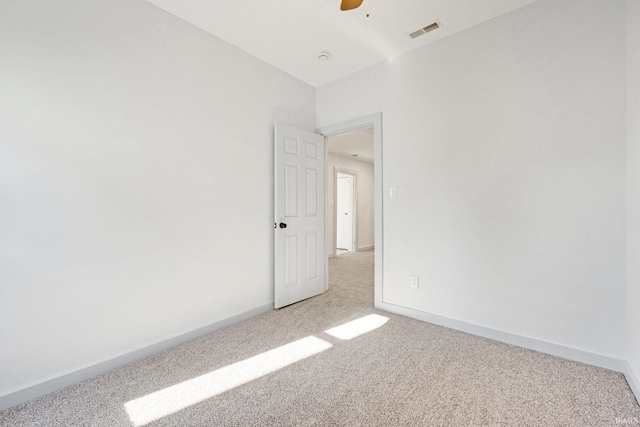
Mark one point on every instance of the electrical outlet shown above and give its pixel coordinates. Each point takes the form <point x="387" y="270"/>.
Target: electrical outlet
<point x="414" y="282"/>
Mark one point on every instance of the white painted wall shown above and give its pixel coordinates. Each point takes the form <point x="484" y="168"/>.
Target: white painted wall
<point x="633" y="189"/>
<point x="117" y="122"/>
<point x="506" y="143"/>
<point x="365" y="200"/>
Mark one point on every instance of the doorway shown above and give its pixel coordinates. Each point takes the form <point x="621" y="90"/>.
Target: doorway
<point x="350" y="196"/>
<point x="373" y="124"/>
<point x="292" y="256"/>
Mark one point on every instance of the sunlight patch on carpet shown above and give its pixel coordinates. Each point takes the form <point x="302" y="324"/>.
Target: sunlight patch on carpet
<point x="357" y="327"/>
<point x="172" y="399"/>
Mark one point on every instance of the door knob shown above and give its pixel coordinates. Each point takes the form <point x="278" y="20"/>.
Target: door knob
<point x="283" y="225"/>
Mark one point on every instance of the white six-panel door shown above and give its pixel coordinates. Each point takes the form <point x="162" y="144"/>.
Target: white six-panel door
<point x="299" y="215"/>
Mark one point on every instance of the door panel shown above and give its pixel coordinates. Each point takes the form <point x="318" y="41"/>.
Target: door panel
<point x="291" y="261"/>
<point x="312" y="192"/>
<point x="313" y="250"/>
<point x="291" y="190"/>
<point x="299" y="215"/>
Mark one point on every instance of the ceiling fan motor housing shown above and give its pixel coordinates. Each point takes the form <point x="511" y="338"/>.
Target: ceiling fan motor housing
<point x="350" y="4"/>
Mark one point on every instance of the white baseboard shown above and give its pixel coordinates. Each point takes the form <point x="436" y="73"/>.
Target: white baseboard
<point x="31" y="392"/>
<point x="633" y="380"/>
<point x="554" y="349"/>
<point x="365" y="248"/>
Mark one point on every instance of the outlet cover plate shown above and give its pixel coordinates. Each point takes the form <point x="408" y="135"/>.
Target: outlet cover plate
<point x="414" y="282"/>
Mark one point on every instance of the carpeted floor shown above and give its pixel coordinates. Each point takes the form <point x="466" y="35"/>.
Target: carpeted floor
<point x="403" y="373"/>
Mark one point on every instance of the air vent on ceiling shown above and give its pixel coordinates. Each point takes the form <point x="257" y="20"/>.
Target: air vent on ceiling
<point x="424" y="30"/>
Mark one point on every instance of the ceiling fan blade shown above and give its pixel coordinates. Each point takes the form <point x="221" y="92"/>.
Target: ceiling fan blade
<point x="350" y="4"/>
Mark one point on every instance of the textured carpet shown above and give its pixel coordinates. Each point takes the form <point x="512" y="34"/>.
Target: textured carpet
<point x="404" y="373"/>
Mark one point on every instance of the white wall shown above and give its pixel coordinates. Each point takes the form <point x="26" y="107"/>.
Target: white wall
<point x="633" y="190"/>
<point x="506" y="143"/>
<point x="365" y="200"/>
<point x="136" y="197"/>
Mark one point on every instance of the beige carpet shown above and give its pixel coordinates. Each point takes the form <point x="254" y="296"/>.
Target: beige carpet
<point x="404" y="373"/>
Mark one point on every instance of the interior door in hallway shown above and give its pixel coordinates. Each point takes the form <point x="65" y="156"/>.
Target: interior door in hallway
<point x="299" y="215"/>
<point x="344" y="212"/>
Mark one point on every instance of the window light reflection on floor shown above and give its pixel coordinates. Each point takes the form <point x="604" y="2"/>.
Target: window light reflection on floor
<point x="357" y="327"/>
<point x="172" y="399"/>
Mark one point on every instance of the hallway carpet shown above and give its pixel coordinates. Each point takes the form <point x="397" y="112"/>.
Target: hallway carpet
<point x="298" y="367"/>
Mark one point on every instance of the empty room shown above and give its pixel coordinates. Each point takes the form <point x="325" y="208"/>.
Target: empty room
<point x="182" y="243"/>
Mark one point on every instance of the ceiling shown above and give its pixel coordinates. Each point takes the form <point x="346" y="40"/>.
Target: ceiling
<point x="355" y="145"/>
<point x="289" y="34"/>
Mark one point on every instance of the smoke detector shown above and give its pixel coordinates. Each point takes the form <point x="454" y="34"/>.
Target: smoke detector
<point x="323" y="56"/>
